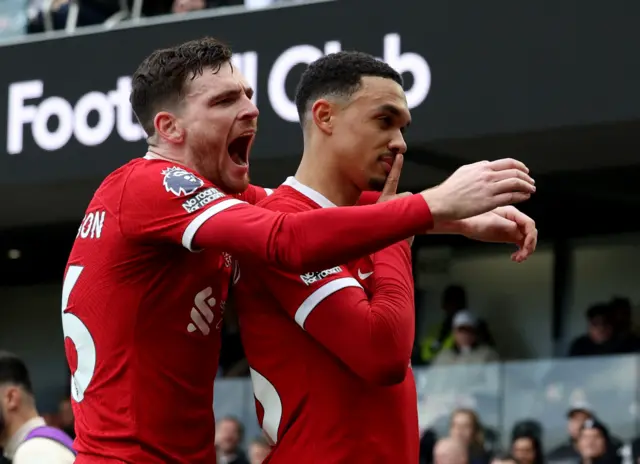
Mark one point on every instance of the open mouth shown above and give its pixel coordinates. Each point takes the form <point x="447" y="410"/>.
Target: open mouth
<point x="239" y="149"/>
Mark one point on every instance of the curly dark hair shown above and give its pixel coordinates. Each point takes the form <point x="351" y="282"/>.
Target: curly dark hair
<point x="160" y="78"/>
<point x="339" y="74"/>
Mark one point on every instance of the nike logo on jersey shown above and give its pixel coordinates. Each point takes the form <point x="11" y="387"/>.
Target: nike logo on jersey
<point x="364" y="275"/>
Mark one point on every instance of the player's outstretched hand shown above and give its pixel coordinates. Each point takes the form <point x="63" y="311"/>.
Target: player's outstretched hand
<point x="478" y="188"/>
<point x="503" y="225"/>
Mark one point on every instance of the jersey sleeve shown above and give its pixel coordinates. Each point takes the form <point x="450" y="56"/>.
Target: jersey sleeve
<point x="160" y="204"/>
<point x="183" y="209"/>
<point x="374" y="338"/>
<point x="254" y="194"/>
<point x="368" y="198"/>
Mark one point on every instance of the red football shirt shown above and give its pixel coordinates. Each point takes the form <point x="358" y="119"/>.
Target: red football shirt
<point x="330" y="353"/>
<point x="142" y="302"/>
<point x="141" y="318"/>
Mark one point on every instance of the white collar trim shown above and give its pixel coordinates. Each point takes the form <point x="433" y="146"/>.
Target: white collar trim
<point x="308" y="192"/>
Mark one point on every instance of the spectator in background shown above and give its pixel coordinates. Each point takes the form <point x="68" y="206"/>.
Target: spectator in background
<point x="623" y="327"/>
<point x="229" y="436"/>
<point x="440" y="336"/>
<point x="259" y="450"/>
<point x="184" y="6"/>
<point x="600" y="338"/>
<point x="568" y="451"/>
<point x="428" y="442"/>
<point x="65" y="417"/>
<point x="466" y="428"/>
<point x="504" y="458"/>
<point x="594" y="444"/>
<point x="450" y="451"/>
<point x="24" y="435"/>
<point x="467" y="347"/>
<point x="527" y="449"/>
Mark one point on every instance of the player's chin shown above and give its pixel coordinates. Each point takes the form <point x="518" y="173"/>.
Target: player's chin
<point x="376" y="182"/>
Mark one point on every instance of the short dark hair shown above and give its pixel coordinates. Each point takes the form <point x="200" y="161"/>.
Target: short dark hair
<point x="14" y="371"/>
<point x="455" y="295"/>
<point x="160" y="78"/>
<point x="599" y="311"/>
<point x="339" y="74"/>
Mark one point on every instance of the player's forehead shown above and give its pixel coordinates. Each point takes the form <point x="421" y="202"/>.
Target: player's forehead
<point x="382" y="94"/>
<point x="212" y="83"/>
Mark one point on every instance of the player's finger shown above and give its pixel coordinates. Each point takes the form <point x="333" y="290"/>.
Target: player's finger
<point x="508" y="163"/>
<point x="531" y="241"/>
<point x="510" y="198"/>
<point x="384" y="198"/>
<point x="391" y="185"/>
<point x="513" y="184"/>
<point x="512" y="173"/>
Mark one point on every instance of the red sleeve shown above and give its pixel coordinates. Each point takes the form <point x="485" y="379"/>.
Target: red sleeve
<point x="254" y="194"/>
<point x="309" y="240"/>
<point x="368" y="198"/>
<point x="161" y="202"/>
<point x="373" y="338"/>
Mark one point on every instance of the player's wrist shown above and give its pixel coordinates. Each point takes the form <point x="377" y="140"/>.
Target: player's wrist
<point x="455" y="227"/>
<point x="425" y="210"/>
<point x="440" y="205"/>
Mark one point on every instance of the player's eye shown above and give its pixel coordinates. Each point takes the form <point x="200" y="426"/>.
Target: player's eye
<point x="385" y="121"/>
<point x="226" y="101"/>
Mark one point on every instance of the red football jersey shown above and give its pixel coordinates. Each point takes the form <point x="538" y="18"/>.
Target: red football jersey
<point x="141" y="317"/>
<point x="330" y="353"/>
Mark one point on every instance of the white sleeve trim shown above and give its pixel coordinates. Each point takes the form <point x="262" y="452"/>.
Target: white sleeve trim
<point x="268" y="191"/>
<point x="320" y="294"/>
<point x="192" y="228"/>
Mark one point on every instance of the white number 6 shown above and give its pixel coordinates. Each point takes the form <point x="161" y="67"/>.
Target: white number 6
<point x="74" y="329"/>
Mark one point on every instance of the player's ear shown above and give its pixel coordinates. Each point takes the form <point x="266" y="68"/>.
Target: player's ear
<point x="322" y="112"/>
<point x="12" y="398"/>
<point x="168" y="127"/>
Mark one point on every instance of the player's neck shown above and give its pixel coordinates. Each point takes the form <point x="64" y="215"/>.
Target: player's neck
<point x="18" y="421"/>
<point x="324" y="176"/>
<point x="155" y="152"/>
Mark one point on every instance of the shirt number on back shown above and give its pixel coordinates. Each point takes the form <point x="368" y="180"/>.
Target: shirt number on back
<point x="268" y="397"/>
<point x="74" y="329"/>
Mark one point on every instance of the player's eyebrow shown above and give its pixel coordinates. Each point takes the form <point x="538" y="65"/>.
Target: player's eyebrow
<point x="233" y="93"/>
<point x="395" y="111"/>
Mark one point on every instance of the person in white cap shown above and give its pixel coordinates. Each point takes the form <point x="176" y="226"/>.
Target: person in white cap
<point x="466" y="348"/>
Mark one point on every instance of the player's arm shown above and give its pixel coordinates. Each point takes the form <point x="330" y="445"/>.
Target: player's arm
<point x="309" y="240"/>
<point x="156" y="210"/>
<point x="374" y="338"/>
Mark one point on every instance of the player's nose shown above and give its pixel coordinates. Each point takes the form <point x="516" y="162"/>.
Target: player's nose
<point x="398" y="145"/>
<point x="249" y="112"/>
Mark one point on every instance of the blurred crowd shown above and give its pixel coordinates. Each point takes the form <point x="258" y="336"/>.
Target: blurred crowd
<point x="587" y="441"/>
<point x="35" y="16"/>
<point x="93" y="12"/>
<point x="462" y="337"/>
